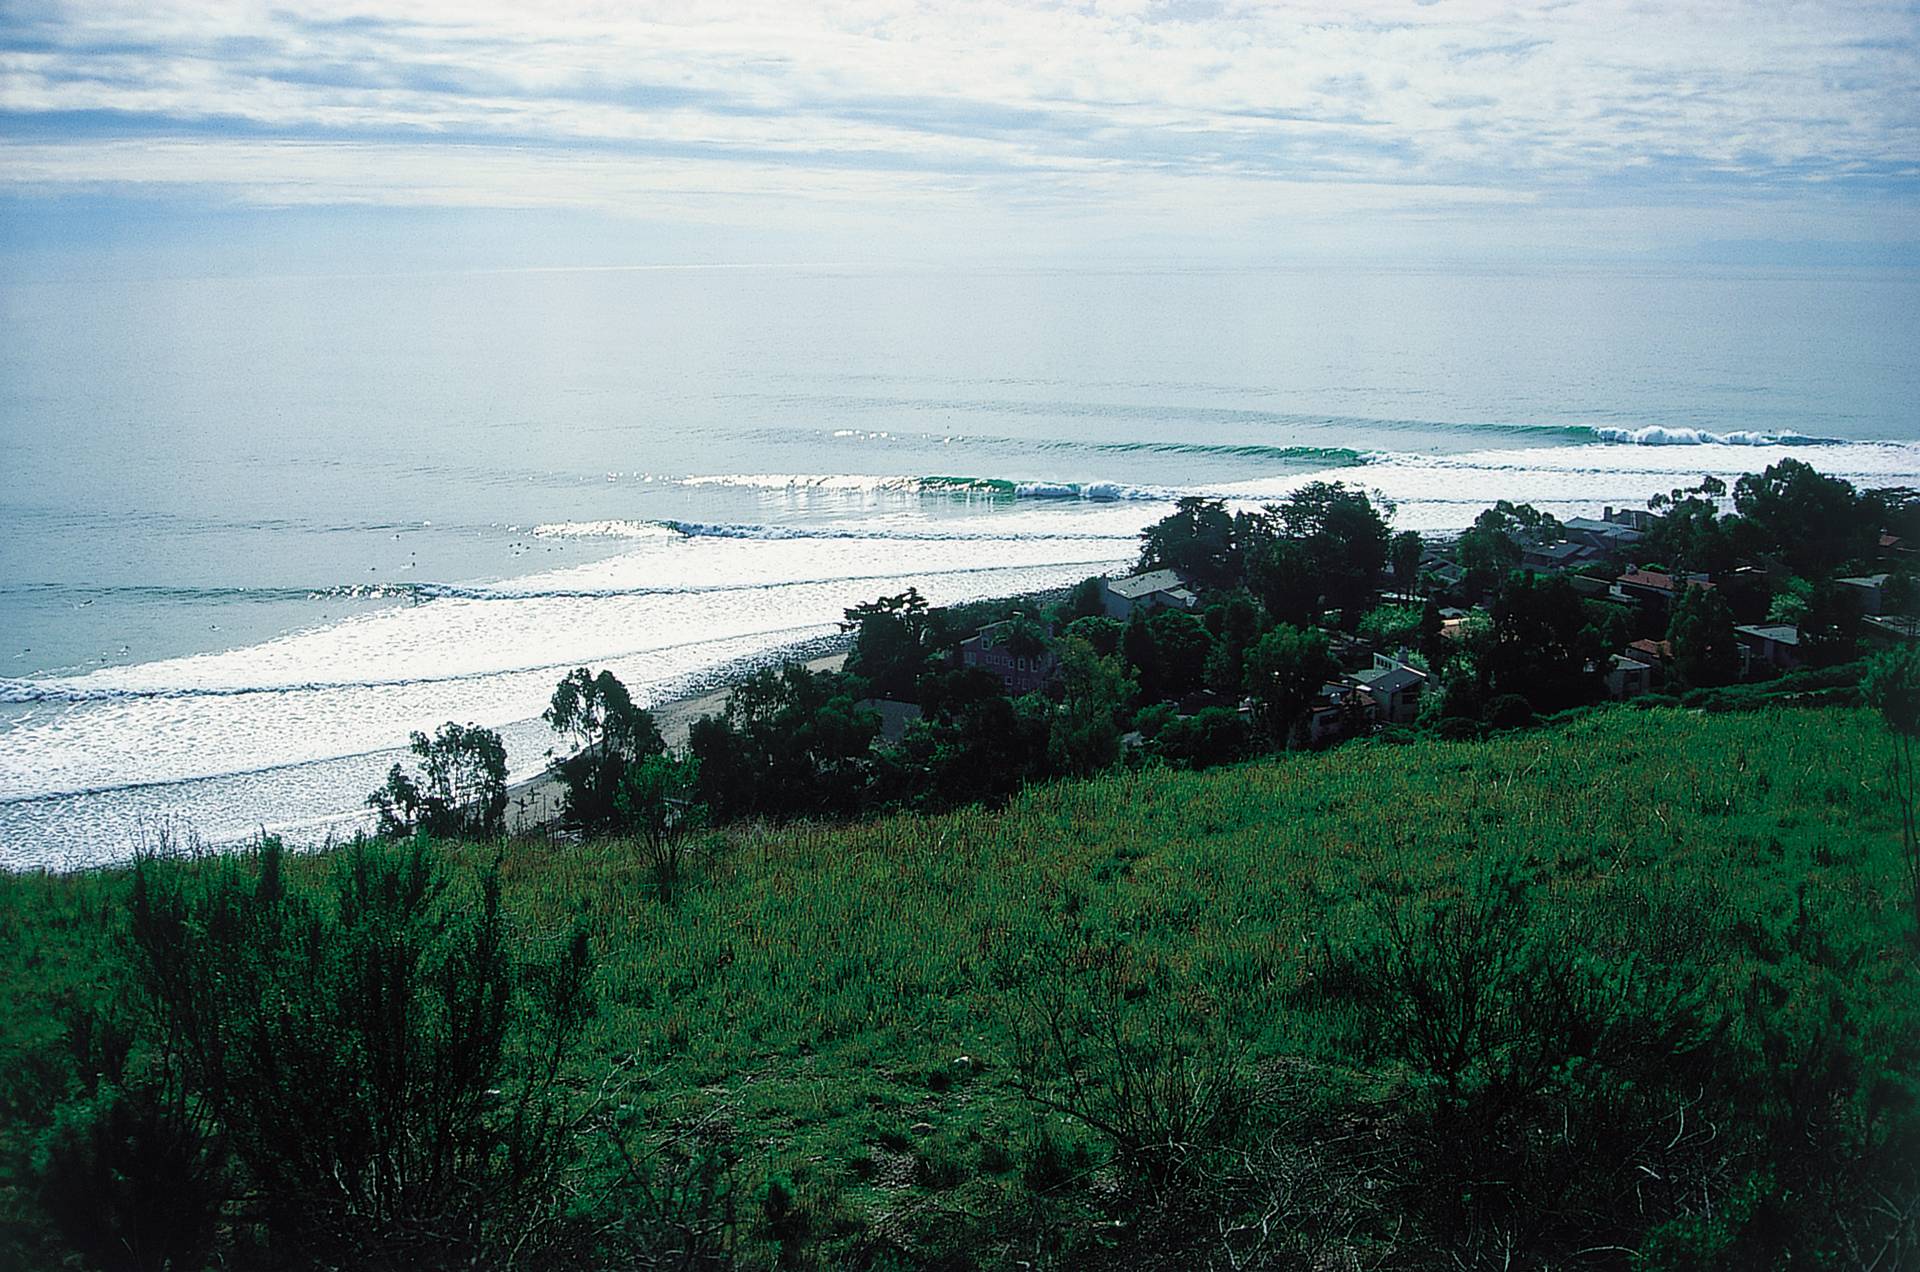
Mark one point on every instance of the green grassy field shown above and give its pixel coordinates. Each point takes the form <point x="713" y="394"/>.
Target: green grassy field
<point x="1637" y="991"/>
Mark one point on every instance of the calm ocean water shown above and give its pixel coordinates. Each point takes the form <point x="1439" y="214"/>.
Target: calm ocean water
<point x="255" y="531"/>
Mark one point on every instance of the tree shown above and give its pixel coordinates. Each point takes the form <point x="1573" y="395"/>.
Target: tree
<point x="462" y="791"/>
<point x="1103" y="633"/>
<point x="1493" y="546"/>
<point x="1487" y="554"/>
<point x="973" y="743"/>
<point x="1813" y="522"/>
<point x="1407" y="550"/>
<point x="790" y="743"/>
<point x="1085" y="737"/>
<point x="1892" y="685"/>
<point x="1541" y="646"/>
<point x="1690" y="535"/>
<point x="1235" y="624"/>
<point x="659" y="802"/>
<point x="1168" y="649"/>
<point x="1287" y="580"/>
<point x="1213" y="735"/>
<point x="1285" y="669"/>
<point x="1830" y="627"/>
<point x="1390" y="626"/>
<point x="609" y="732"/>
<point x="891" y="641"/>
<point x="1087" y="600"/>
<point x="1705" y="650"/>
<point x="1197" y="539"/>
<point x="1345" y="538"/>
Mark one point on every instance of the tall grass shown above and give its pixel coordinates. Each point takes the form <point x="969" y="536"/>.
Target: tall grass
<point x="848" y="1009"/>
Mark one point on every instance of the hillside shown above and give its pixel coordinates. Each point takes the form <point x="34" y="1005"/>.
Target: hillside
<point x="1637" y="991"/>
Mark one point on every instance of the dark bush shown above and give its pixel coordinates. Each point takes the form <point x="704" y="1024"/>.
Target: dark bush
<point x="1508" y="711"/>
<point x="385" y="1073"/>
<point x="130" y="1180"/>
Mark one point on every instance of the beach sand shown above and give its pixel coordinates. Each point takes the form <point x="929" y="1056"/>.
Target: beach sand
<point x="536" y="802"/>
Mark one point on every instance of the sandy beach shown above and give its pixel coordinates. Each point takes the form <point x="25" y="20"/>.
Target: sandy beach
<point x="536" y="801"/>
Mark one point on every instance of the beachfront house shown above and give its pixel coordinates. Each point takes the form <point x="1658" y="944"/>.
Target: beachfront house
<point x="895" y="715"/>
<point x="1022" y="664"/>
<point x="1156" y="589"/>
<point x="1337" y="712"/>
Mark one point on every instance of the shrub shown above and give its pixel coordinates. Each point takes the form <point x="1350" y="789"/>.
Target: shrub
<point x="1214" y="735"/>
<point x="1508" y="711"/>
<point x="385" y="1073"/>
<point x="130" y="1180"/>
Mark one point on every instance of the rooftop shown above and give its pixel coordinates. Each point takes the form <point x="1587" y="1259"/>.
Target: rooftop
<point x="1388" y="679"/>
<point x="1139" y="585"/>
<point x="1657" y="581"/>
<point x="1778" y="633"/>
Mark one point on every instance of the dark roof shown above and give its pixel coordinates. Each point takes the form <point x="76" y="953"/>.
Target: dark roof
<point x="1388" y="679"/>
<point x="1139" y="585"/>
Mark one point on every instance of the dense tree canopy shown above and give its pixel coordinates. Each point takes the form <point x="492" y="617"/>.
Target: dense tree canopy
<point x="1541" y="646"/>
<point x="1813" y="522"/>
<point x="1197" y="539"/>
<point x="892" y="640"/>
<point x="1285" y="669"/>
<point x="462" y="790"/>
<point x="598" y="714"/>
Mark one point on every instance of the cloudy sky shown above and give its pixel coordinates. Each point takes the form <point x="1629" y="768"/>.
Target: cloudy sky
<point x="787" y="129"/>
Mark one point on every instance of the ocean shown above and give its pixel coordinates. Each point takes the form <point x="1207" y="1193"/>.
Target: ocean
<point x="255" y="531"/>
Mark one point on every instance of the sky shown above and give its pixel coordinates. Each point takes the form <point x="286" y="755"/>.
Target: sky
<point x="770" y="131"/>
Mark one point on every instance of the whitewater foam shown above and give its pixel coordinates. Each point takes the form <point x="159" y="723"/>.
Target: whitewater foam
<point x="1663" y="435"/>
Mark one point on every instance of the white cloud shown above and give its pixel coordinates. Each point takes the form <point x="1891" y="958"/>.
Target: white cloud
<point x="1140" y="110"/>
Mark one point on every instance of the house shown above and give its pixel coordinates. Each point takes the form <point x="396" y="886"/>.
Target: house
<point x="1632" y="518"/>
<point x="1609" y="537"/>
<point x="1628" y="677"/>
<point x="1868" y="592"/>
<point x="1557" y="556"/>
<point x="1395" y="688"/>
<point x="1337" y="710"/>
<point x="1653" y="590"/>
<point x="895" y="716"/>
<point x="1775" y="644"/>
<point x="1652" y="653"/>
<point x="1884" y="630"/>
<point x="1023" y="670"/>
<point x="1156" y="589"/>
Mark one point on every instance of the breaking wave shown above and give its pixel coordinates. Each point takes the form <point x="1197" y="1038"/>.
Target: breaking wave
<point x="941" y="484"/>
<point x="1661" y="435"/>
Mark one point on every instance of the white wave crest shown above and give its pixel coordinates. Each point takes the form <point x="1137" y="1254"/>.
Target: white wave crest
<point x="1661" y="435"/>
<point x="603" y="530"/>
